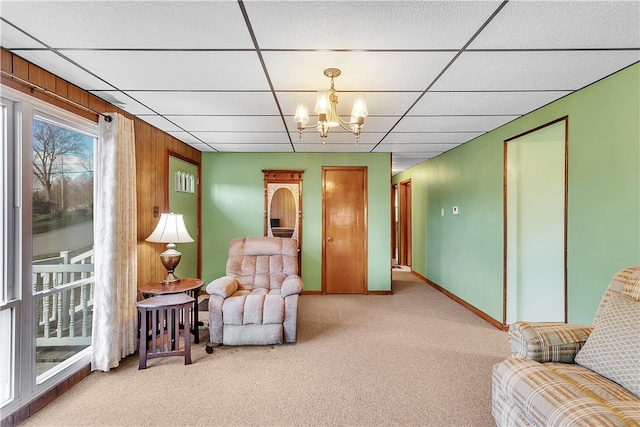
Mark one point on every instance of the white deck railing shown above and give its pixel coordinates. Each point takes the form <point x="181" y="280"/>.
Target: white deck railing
<point x="63" y="290"/>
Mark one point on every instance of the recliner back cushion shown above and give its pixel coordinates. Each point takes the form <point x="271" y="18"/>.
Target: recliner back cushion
<point x="262" y="262"/>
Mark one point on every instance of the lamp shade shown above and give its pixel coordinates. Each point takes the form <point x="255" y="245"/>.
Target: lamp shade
<point x="359" y="106"/>
<point x="302" y="114"/>
<point x="170" y="229"/>
<point x="323" y="105"/>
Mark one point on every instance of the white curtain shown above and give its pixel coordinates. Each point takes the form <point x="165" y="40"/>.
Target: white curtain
<point x="115" y="318"/>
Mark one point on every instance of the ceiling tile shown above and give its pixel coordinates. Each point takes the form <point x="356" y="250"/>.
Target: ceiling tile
<point x="336" y="137"/>
<point x="562" y="24"/>
<point x="127" y="24"/>
<point x="228" y="123"/>
<point x="208" y="103"/>
<point x="169" y="70"/>
<point x="253" y="148"/>
<point x="187" y="138"/>
<point x="11" y="37"/>
<point x="161" y="123"/>
<point x="257" y="138"/>
<point x="332" y="147"/>
<point x="430" y="138"/>
<point x="451" y="123"/>
<point x="371" y="71"/>
<point x="483" y="103"/>
<point x="532" y="70"/>
<point x="122" y="101"/>
<point x="366" y="24"/>
<point x="64" y="69"/>
<point x="413" y="149"/>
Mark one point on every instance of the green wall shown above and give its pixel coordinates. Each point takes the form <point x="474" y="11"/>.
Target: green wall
<point x="464" y="253"/>
<point x="233" y="206"/>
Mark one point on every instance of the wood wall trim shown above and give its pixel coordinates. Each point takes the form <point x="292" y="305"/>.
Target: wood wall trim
<point x="471" y="308"/>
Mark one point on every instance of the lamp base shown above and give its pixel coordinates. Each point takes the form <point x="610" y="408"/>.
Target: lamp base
<point x="170" y="259"/>
<point x="171" y="278"/>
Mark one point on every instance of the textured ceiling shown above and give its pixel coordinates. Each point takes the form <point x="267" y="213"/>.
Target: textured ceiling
<point x="226" y="76"/>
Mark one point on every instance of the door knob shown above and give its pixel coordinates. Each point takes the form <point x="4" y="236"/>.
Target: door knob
<point x="329" y="239"/>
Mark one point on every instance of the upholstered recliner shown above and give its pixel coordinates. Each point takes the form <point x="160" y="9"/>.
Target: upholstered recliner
<point x="256" y="303"/>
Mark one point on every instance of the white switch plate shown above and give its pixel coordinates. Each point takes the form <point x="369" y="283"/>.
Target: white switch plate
<point x="455" y="210"/>
<point x="442" y="212"/>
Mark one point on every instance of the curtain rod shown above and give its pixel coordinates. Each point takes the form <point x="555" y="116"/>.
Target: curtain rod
<point x="55" y="95"/>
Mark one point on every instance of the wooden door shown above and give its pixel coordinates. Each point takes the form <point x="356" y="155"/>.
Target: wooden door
<point x="404" y="256"/>
<point x="344" y="231"/>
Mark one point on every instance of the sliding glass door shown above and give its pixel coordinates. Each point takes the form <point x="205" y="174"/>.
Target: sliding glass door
<point x="47" y="252"/>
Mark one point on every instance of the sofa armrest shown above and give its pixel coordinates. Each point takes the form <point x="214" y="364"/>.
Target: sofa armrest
<point x="223" y="286"/>
<point x="291" y="285"/>
<point x="547" y="341"/>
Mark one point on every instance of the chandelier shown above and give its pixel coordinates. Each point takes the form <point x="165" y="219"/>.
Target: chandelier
<point x="327" y="111"/>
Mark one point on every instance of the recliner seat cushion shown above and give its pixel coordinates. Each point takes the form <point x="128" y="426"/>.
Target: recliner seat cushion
<point x="257" y="307"/>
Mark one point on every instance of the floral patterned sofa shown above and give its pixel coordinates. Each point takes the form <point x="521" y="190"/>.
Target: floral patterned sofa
<point x="574" y="375"/>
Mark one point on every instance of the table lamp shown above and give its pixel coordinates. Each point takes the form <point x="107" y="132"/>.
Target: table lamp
<point x="170" y="230"/>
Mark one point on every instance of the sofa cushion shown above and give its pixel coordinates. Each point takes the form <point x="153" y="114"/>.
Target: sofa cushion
<point x="561" y="394"/>
<point x="612" y="348"/>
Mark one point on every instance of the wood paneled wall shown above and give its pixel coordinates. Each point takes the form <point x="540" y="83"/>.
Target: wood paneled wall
<point x="152" y="146"/>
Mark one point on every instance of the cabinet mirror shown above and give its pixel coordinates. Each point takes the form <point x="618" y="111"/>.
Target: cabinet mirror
<point x="283" y="204"/>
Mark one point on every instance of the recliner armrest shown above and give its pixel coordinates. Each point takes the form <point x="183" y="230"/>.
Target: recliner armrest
<point x="291" y="285"/>
<point x="224" y="286"/>
<point x="547" y="341"/>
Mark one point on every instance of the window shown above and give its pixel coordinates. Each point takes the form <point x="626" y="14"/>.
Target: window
<point x="62" y="233"/>
<point x="46" y="299"/>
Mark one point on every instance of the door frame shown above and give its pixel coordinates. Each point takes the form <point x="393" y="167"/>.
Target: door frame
<point x="404" y="238"/>
<point x="168" y="182"/>
<point x="505" y="213"/>
<point x="365" y="241"/>
<point x="394" y="222"/>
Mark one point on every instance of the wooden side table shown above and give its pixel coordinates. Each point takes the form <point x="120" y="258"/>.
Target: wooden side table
<point x="156" y="312"/>
<point x="189" y="286"/>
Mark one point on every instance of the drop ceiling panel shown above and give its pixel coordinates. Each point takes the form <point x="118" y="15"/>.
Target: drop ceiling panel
<point x="123" y="101"/>
<point x="11" y="38"/>
<point x="412" y="149"/>
<point x="127" y="24"/>
<point x="208" y="103"/>
<point x="563" y="24"/>
<point x="64" y="69"/>
<point x="160" y="70"/>
<point x="257" y="138"/>
<point x="331" y="147"/>
<point x="186" y="138"/>
<point x="483" y="103"/>
<point x="161" y="123"/>
<point x="312" y="136"/>
<point x="451" y="123"/>
<point x="253" y="148"/>
<point x="430" y="138"/>
<point x="366" y="24"/>
<point x="371" y="71"/>
<point x="228" y="123"/>
<point x="532" y="70"/>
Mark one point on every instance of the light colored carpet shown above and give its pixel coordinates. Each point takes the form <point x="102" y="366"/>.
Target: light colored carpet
<point x="411" y="358"/>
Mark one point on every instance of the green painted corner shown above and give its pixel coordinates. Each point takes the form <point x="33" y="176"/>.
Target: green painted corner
<point x="233" y="206"/>
<point x="464" y="253"/>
